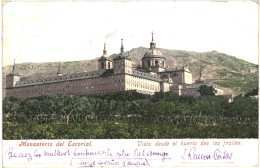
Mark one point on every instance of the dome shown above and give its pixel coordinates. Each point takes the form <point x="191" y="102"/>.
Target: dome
<point x="104" y="56"/>
<point x="153" y="53"/>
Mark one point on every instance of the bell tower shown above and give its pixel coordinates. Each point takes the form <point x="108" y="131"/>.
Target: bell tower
<point x="122" y="64"/>
<point x="104" y="62"/>
<point x="12" y="78"/>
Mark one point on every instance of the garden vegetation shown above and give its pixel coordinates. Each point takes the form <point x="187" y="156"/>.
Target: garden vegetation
<point x="129" y="115"/>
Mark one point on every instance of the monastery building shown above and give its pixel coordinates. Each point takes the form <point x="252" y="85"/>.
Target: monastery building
<point x="116" y="75"/>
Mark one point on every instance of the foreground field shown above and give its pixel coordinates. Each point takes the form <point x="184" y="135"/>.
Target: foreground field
<point x="129" y="115"/>
<point x="123" y="130"/>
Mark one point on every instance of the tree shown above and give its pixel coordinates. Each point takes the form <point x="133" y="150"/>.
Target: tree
<point x="205" y="90"/>
<point x="10" y="108"/>
<point x="165" y="96"/>
<point x="244" y="107"/>
<point x="67" y="105"/>
<point x="252" y="93"/>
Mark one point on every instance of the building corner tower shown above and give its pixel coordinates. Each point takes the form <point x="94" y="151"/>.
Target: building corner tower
<point x="12" y="78"/>
<point x="122" y="64"/>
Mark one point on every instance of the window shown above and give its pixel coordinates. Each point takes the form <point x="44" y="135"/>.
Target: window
<point x="164" y="76"/>
<point x="102" y="65"/>
<point x="156" y="62"/>
<point x="108" y="65"/>
<point x="175" y="74"/>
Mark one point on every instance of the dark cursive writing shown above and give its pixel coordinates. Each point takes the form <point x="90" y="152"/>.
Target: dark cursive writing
<point x="192" y="154"/>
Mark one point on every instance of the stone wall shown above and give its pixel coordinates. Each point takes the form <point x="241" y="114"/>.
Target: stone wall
<point x="95" y="85"/>
<point x="177" y="77"/>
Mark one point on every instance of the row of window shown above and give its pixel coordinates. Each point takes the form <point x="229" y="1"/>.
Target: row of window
<point x="57" y="78"/>
<point x="149" y="63"/>
<point x="142" y="86"/>
<point x="60" y="91"/>
<point x="64" y="86"/>
<point x="122" y="62"/>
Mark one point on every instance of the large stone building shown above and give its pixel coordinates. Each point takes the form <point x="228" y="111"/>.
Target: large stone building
<point x="116" y="75"/>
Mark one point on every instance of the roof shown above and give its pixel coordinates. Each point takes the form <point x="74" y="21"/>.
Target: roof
<point x="121" y="56"/>
<point x="153" y="53"/>
<point x="146" y="76"/>
<point x="108" y="72"/>
<point x="103" y="58"/>
<point x="197" y="85"/>
<point x="175" y="69"/>
<point x="76" y="76"/>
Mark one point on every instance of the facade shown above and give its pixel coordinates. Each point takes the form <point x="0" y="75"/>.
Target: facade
<point x="117" y="75"/>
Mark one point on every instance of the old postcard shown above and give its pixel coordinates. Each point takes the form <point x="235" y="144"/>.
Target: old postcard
<point x="130" y="84"/>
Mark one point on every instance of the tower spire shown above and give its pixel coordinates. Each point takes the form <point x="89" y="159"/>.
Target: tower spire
<point x="152" y="44"/>
<point x="14" y="67"/>
<point x="59" y="73"/>
<point x="104" y="51"/>
<point x="14" y="71"/>
<point x="122" y="46"/>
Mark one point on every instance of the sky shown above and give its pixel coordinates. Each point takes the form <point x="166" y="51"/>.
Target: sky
<point x="67" y="31"/>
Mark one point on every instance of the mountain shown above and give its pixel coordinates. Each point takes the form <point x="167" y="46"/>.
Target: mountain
<point x="236" y="76"/>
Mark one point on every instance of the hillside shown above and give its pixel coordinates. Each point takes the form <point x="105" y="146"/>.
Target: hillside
<point x="236" y="76"/>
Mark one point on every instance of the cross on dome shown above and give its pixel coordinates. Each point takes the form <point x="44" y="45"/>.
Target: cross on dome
<point x="152" y="44"/>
